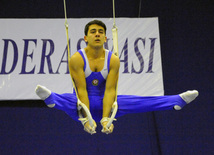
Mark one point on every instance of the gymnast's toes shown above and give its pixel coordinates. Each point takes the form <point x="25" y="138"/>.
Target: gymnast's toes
<point x="188" y="97"/>
<point x="42" y="92"/>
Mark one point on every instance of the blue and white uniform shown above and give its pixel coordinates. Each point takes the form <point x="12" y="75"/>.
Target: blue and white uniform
<point x="96" y="82"/>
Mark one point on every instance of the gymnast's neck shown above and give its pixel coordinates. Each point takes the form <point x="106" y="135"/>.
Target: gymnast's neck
<point x="95" y="52"/>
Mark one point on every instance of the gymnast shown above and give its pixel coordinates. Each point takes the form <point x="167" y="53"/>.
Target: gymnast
<point x="94" y="71"/>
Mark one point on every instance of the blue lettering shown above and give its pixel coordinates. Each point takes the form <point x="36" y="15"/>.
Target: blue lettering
<point x="46" y="56"/>
<point x="139" y="56"/>
<point x="151" y="56"/>
<point x="125" y="60"/>
<point x="15" y="57"/>
<point x="64" y="61"/>
<point x="25" y="55"/>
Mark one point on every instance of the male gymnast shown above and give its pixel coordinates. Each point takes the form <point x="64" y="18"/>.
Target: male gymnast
<point x="95" y="74"/>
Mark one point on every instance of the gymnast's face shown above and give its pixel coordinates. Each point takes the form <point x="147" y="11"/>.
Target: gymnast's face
<point x="96" y="36"/>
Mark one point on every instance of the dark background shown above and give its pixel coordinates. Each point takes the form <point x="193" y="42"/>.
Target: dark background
<point x="186" y="32"/>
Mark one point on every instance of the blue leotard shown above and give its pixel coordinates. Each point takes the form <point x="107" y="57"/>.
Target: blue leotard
<point x="96" y="86"/>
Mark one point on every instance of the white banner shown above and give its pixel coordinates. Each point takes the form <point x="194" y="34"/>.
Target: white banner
<point x="34" y="51"/>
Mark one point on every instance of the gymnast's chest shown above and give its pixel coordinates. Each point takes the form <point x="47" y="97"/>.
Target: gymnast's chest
<point x="96" y="65"/>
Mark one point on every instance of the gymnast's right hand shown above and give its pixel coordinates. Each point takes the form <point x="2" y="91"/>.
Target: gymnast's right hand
<point x="89" y="129"/>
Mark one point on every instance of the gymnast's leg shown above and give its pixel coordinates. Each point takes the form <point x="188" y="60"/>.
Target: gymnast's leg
<point x="66" y="102"/>
<point x="44" y="93"/>
<point x="137" y="104"/>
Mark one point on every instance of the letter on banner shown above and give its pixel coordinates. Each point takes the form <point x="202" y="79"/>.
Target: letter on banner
<point x="47" y="57"/>
<point x="7" y="59"/>
<point x="26" y="55"/>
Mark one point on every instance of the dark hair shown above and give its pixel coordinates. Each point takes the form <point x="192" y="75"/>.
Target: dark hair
<point x="97" y="22"/>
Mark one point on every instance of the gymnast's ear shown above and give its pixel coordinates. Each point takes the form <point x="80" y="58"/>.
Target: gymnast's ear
<point x="85" y="38"/>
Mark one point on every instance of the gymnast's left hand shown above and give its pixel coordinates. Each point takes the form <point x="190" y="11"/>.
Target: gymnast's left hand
<point x="89" y="129"/>
<point x="106" y="129"/>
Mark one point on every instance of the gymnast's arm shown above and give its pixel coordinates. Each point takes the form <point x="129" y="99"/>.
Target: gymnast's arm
<point x="110" y="91"/>
<point x="76" y="65"/>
